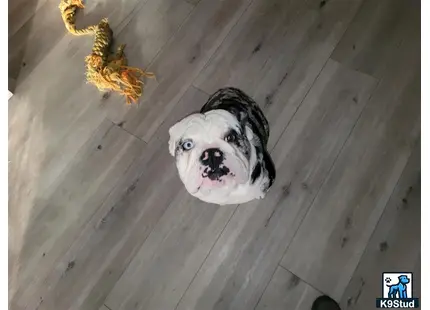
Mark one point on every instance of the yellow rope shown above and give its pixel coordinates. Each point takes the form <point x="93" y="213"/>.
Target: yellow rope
<point x="105" y="70"/>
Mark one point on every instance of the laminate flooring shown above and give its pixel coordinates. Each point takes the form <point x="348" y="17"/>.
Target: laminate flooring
<point x="98" y="218"/>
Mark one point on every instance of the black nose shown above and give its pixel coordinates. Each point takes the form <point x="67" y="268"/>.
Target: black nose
<point x="212" y="158"/>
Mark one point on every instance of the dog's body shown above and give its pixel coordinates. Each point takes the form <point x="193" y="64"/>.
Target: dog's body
<point x="221" y="152"/>
<point x="399" y="290"/>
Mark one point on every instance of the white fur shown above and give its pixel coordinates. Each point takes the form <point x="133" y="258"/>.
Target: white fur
<point x="207" y="131"/>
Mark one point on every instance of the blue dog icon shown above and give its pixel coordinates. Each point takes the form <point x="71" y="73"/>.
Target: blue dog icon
<point x="399" y="290"/>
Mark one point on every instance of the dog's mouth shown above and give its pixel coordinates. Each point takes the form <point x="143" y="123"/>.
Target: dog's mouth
<point x="215" y="178"/>
<point x="223" y="177"/>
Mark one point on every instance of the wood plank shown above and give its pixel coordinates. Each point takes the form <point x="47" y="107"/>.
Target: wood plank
<point x="37" y="37"/>
<point x="80" y="190"/>
<point x="163" y="268"/>
<point x="246" y="255"/>
<point x="275" y="53"/>
<point x="395" y="243"/>
<point x="287" y="291"/>
<point x="193" y="2"/>
<point x="272" y="35"/>
<point x="117" y="229"/>
<point x="19" y="12"/>
<point x="377" y="30"/>
<point x="146" y="32"/>
<point x="66" y="121"/>
<point x="352" y="200"/>
<point x="181" y="60"/>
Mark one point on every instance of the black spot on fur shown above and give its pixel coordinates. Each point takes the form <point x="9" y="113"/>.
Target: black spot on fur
<point x="243" y="107"/>
<point x="249" y="114"/>
<point x="256" y="172"/>
<point x="323" y="3"/>
<point x="270" y="167"/>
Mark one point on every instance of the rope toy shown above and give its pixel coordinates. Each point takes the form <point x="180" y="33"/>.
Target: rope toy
<point x="107" y="71"/>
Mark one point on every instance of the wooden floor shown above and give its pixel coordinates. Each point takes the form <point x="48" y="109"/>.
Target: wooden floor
<point x="98" y="218"/>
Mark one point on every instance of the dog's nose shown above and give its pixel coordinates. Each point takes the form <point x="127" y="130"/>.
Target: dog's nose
<point x="212" y="157"/>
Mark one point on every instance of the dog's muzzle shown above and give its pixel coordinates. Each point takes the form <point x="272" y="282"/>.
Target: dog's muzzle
<point x="213" y="161"/>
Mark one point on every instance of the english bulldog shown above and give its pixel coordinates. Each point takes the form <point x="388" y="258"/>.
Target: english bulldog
<point x="221" y="152"/>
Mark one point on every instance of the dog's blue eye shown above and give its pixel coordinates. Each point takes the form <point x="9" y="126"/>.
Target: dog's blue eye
<point x="187" y="145"/>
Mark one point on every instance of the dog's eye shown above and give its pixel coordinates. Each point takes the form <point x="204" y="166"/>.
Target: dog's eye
<point x="230" y="138"/>
<point x="187" y="145"/>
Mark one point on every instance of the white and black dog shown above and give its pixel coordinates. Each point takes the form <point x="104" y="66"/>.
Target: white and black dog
<point x="221" y="152"/>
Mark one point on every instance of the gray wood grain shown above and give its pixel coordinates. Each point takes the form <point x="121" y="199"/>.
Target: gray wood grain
<point x="180" y="61"/>
<point x="44" y="31"/>
<point x="377" y="30"/>
<point x="106" y="244"/>
<point x="166" y="263"/>
<point x="193" y="2"/>
<point x="331" y="239"/>
<point x="395" y="243"/>
<point x="287" y="291"/>
<point x="19" y="12"/>
<point x="246" y="255"/>
<point x="275" y="53"/>
<point x="65" y="111"/>
<point x="79" y="191"/>
<point x="113" y="228"/>
<point x="146" y="32"/>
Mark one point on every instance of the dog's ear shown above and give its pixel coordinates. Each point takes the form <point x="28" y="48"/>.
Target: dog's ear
<point x="177" y="131"/>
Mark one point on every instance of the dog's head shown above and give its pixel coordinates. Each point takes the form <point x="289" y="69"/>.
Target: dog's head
<point x="213" y="150"/>
<point x="403" y="279"/>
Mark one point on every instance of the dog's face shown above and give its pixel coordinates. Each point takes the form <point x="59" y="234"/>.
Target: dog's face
<point x="404" y="279"/>
<point x="213" y="151"/>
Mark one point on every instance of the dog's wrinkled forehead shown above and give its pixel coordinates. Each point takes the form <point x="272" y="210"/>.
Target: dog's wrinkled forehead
<point x="209" y="126"/>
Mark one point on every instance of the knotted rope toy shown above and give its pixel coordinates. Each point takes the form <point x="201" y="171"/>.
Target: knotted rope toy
<point x="107" y="71"/>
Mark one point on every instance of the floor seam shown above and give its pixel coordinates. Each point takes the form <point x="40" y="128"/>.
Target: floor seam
<point x="120" y="126"/>
<point x="107" y="306"/>
<point x="301" y="279"/>
<point x="209" y="252"/>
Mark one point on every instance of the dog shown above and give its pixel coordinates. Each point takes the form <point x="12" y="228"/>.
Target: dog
<point x="221" y="152"/>
<point x="399" y="290"/>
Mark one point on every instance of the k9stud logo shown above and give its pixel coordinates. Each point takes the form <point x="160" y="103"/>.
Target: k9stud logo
<point x="397" y="291"/>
